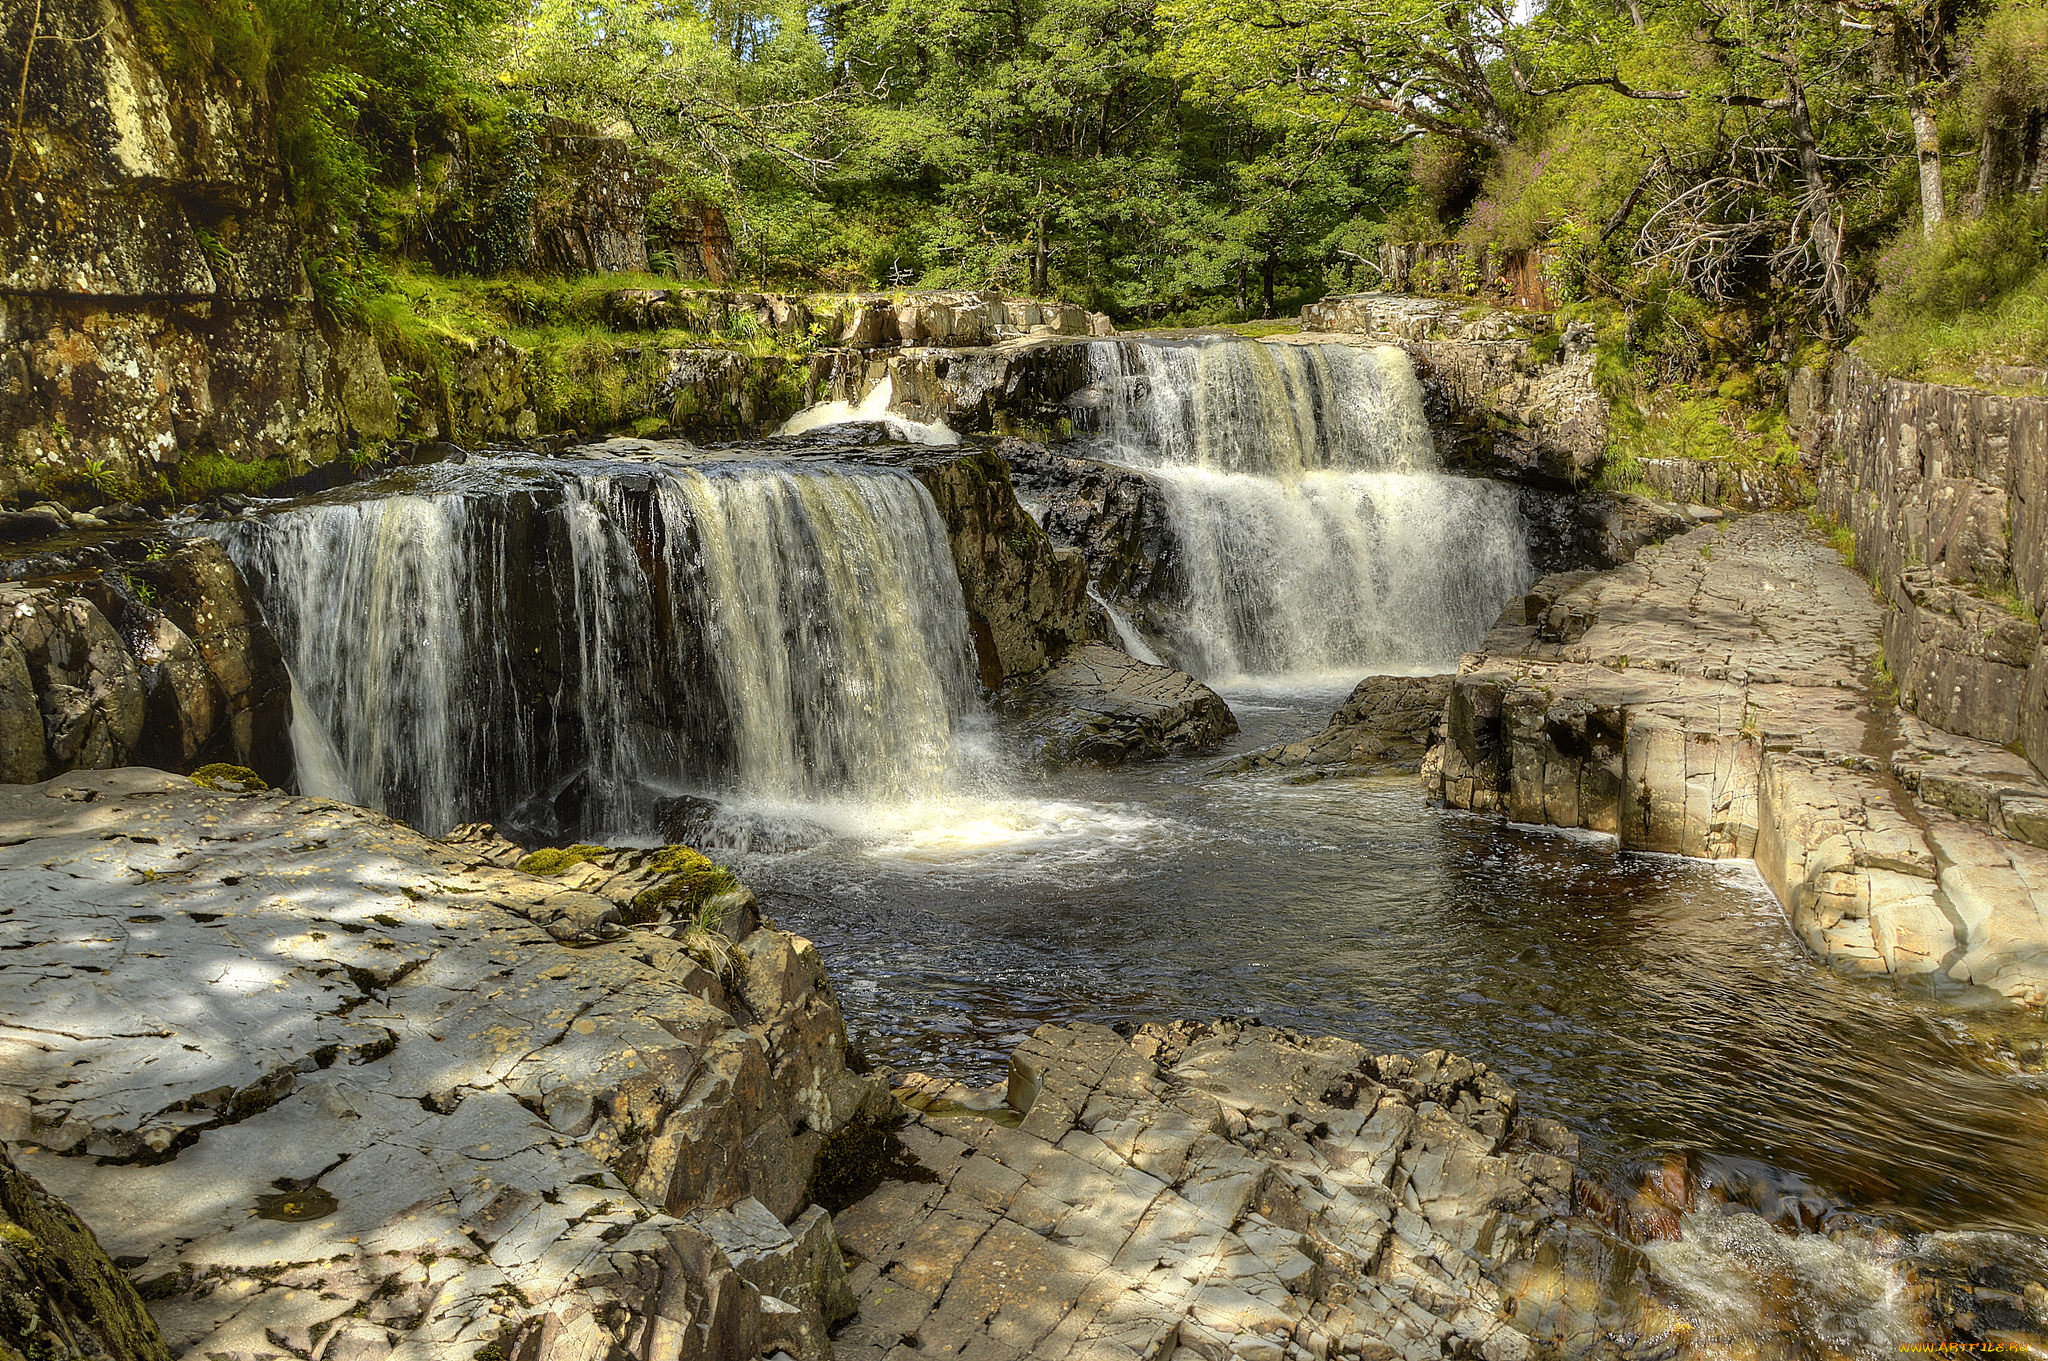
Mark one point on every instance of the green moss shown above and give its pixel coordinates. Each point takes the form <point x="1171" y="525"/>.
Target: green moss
<point x="689" y="885"/>
<point x="554" y="860"/>
<point x="232" y="779"/>
<point x="209" y="474"/>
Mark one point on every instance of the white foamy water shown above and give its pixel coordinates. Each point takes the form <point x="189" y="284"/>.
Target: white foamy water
<point x="874" y="406"/>
<point x="1314" y="528"/>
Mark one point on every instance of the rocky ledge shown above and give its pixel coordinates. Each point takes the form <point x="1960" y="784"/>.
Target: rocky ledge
<point x="329" y="1089"/>
<point x="1100" y="706"/>
<point x="117" y="649"/>
<point x="1720" y="697"/>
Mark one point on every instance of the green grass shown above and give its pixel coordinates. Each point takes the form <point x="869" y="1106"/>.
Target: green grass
<point x="209" y="474"/>
<point x="1977" y="295"/>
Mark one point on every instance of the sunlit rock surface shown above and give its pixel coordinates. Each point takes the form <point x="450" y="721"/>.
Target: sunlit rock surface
<point x="1714" y="698"/>
<point x="320" y="1083"/>
<point x="1230" y="1191"/>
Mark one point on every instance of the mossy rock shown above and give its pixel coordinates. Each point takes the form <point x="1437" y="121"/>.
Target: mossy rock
<point x="691" y="882"/>
<point x="61" y="1299"/>
<point x="554" y="860"/>
<point x="228" y="778"/>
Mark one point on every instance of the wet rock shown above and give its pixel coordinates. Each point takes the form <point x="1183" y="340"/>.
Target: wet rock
<point x="1388" y="723"/>
<point x="317" y="1077"/>
<point x="1099" y="706"/>
<point x="1027" y="599"/>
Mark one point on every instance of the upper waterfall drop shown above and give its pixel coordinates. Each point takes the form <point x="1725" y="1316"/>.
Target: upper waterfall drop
<point x="560" y="647"/>
<point x="873" y="406"/>
<point x="1314" y="529"/>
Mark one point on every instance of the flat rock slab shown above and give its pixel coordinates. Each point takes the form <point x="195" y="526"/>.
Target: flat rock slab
<point x="1207" y="1192"/>
<point x="327" y="1088"/>
<point x="1105" y="707"/>
<point x="1713" y="698"/>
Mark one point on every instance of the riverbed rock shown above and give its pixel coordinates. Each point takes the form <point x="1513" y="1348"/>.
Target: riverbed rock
<point x="146" y="651"/>
<point x="1101" y="706"/>
<point x="1388" y="724"/>
<point x="1206" y="1191"/>
<point x="1714" y="698"/>
<point x="319" y="1082"/>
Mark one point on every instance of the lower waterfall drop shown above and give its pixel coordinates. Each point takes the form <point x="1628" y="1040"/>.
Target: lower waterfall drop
<point x="1314" y="528"/>
<point x="559" y="650"/>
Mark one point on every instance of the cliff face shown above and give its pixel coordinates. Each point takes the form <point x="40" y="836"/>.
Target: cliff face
<point x="1946" y="491"/>
<point x="152" y="301"/>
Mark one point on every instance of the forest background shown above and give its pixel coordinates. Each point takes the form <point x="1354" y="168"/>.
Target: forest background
<point x="1716" y="183"/>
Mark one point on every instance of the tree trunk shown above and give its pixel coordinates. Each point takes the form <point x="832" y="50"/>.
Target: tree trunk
<point x="1820" y="205"/>
<point x="1039" y="254"/>
<point x="1927" y="138"/>
<point x="1267" y="269"/>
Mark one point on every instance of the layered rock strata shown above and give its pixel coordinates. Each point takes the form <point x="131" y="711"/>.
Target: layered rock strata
<point x="1208" y="1192"/>
<point x="1099" y="706"/>
<point x="1712" y="699"/>
<point x="1946" y="491"/>
<point x="327" y="1088"/>
<point x="137" y="651"/>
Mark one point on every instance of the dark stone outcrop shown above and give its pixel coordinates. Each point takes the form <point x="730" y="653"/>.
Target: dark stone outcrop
<point x="61" y="1299"/>
<point x="1946" y="491"/>
<point x="1114" y="515"/>
<point x="1388" y="724"/>
<point x="147" y="651"/>
<point x="1099" y="706"/>
<point x="1027" y="600"/>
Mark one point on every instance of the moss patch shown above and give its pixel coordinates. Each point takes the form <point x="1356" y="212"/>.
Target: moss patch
<point x="230" y="779"/>
<point x="690" y="882"/>
<point x="555" y="860"/>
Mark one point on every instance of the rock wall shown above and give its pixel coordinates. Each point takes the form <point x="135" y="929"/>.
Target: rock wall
<point x="137" y="651"/>
<point x="1946" y="491"/>
<point x="152" y="303"/>
<point x="1499" y="407"/>
<point x="348" y="1091"/>
<point x="1027" y="600"/>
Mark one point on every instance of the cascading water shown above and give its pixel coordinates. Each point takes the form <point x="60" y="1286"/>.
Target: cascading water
<point x="1314" y="527"/>
<point x="560" y="648"/>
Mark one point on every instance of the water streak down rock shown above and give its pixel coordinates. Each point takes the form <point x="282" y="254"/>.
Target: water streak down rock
<point x="564" y="644"/>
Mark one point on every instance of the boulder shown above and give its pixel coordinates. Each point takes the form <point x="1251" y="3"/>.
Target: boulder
<point x="1388" y="724"/>
<point x="1099" y="706"/>
<point x="61" y="1299"/>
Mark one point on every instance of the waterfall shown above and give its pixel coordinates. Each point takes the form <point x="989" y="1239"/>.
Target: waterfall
<point x="559" y="649"/>
<point x="1314" y="528"/>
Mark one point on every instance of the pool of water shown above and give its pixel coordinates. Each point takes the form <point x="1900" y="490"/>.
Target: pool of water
<point x="1660" y="1006"/>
